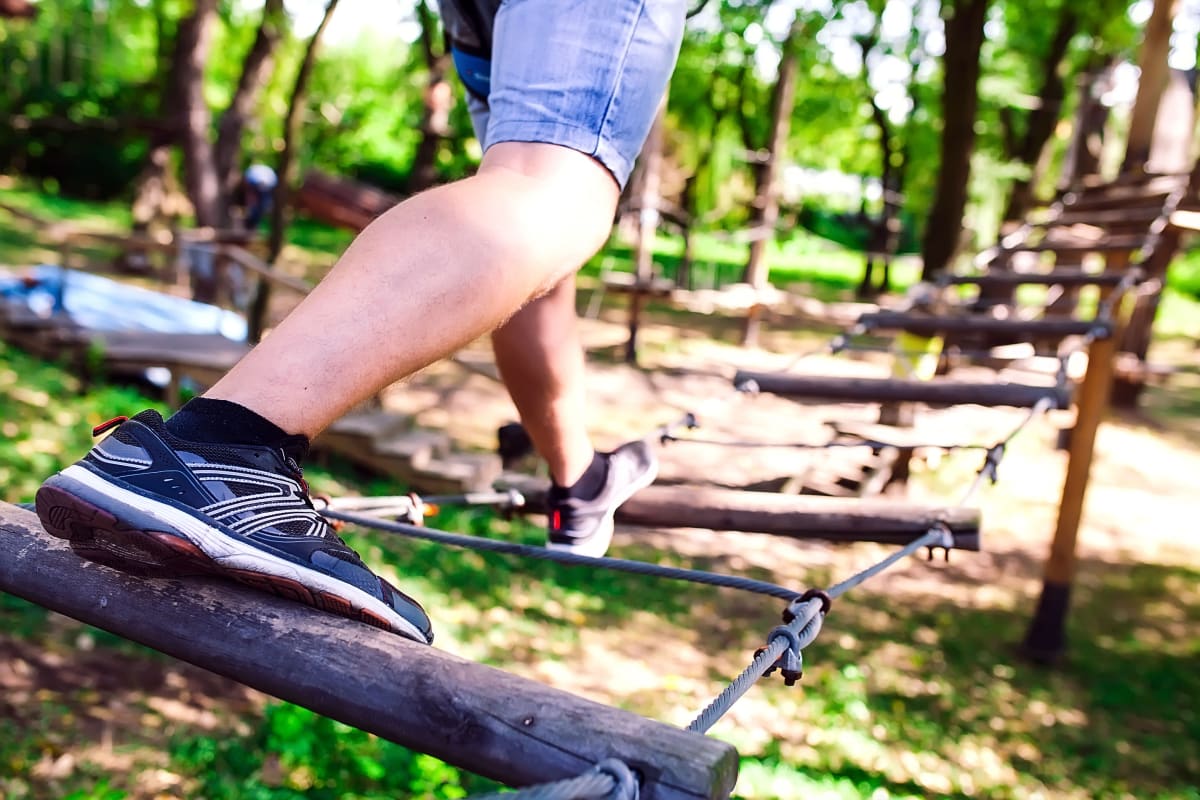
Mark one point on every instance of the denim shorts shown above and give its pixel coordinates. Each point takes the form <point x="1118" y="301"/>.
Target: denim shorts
<point x="583" y="74"/>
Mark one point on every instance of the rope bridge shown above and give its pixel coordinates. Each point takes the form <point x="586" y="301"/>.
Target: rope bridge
<point x="478" y="718"/>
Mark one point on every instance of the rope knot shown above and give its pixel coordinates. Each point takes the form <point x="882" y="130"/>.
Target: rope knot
<point x="625" y="782"/>
<point x="789" y="613"/>
<point x="991" y="462"/>
<point x="790" y="663"/>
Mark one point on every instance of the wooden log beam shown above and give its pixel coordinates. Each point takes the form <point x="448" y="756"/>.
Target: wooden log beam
<point x="1104" y="218"/>
<point x="252" y="263"/>
<point x="833" y="519"/>
<point x="1076" y="247"/>
<point x="929" y="325"/>
<point x="937" y="391"/>
<point x="1056" y="277"/>
<point x="479" y="718"/>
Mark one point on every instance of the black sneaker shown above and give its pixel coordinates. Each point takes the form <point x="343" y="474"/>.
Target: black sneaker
<point x="585" y="527"/>
<point x="146" y="501"/>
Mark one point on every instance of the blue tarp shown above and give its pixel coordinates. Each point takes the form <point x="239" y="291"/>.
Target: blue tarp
<point x="102" y="304"/>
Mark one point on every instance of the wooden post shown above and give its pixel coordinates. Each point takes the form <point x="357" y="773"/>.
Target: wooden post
<point x="479" y="718"/>
<point x="1046" y="638"/>
<point x="1154" y="69"/>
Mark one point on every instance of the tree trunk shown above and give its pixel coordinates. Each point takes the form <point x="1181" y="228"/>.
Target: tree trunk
<point x="1041" y="121"/>
<point x="764" y="214"/>
<point x="191" y="115"/>
<point x="1091" y="117"/>
<point x="960" y="98"/>
<point x="765" y="210"/>
<point x="439" y="101"/>
<point x="648" y="202"/>
<point x="286" y="171"/>
<point x="1152" y="63"/>
<point x="880" y="241"/>
<point x="256" y="69"/>
<point x="17" y="9"/>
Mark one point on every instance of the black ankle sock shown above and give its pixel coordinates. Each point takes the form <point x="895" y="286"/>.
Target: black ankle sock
<point x="223" y="422"/>
<point x="592" y="480"/>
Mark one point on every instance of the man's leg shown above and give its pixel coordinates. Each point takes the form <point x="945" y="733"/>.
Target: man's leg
<point x="219" y="484"/>
<point x="218" y="487"/>
<point x="541" y="361"/>
<point x="434" y="273"/>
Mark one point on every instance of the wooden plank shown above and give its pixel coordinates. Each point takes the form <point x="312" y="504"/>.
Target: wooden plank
<point x="1078" y="247"/>
<point x="1117" y="217"/>
<point x="937" y="391"/>
<point x="834" y="519"/>
<point x="929" y="325"/>
<point x="1130" y="197"/>
<point x="1056" y="277"/>
<point x="154" y="348"/>
<point x="1186" y="220"/>
<point x="476" y="717"/>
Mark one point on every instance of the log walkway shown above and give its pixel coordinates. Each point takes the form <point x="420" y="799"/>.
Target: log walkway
<point x="475" y="717"/>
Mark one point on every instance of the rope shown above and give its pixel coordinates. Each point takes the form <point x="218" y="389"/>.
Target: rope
<point x="804" y="629"/>
<point x="611" y="779"/>
<point x="805" y="614"/>
<point x="859" y="441"/>
<point x="564" y="557"/>
<point x="787" y="642"/>
<point x="691" y="420"/>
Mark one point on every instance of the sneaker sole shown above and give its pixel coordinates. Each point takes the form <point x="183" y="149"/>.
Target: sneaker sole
<point x="166" y="542"/>
<point x="591" y="546"/>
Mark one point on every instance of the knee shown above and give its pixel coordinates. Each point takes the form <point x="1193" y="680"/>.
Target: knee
<point x="559" y="199"/>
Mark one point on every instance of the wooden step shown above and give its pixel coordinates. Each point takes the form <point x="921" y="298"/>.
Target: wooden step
<point x="458" y="473"/>
<point x="375" y="424"/>
<point x="416" y="448"/>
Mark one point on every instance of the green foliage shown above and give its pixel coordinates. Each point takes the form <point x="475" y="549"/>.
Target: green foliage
<point x="47" y="420"/>
<point x="295" y="753"/>
<point x="79" y="94"/>
<point x="851" y="230"/>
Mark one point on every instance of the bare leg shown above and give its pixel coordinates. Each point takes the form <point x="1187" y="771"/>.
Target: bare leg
<point x="541" y="360"/>
<point x="435" y="272"/>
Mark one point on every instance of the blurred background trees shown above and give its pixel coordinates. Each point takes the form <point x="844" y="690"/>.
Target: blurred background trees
<point x="884" y="125"/>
